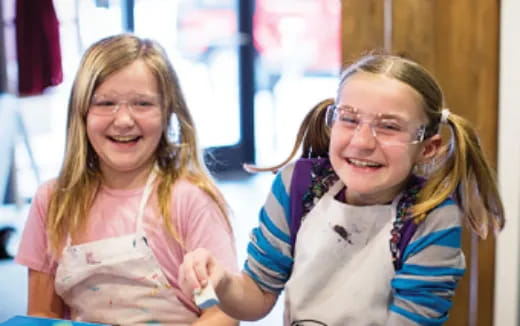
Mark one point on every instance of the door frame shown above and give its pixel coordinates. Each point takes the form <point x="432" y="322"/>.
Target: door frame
<point x="229" y="158"/>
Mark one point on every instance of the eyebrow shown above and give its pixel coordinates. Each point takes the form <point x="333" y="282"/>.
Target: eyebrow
<point x="392" y="116"/>
<point x="124" y="95"/>
<point x="379" y="114"/>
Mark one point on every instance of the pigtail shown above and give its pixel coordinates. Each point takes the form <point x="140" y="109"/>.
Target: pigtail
<point x="467" y="175"/>
<point x="313" y="133"/>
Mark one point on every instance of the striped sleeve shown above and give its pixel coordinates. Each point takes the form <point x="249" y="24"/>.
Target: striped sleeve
<point x="433" y="263"/>
<point x="270" y="260"/>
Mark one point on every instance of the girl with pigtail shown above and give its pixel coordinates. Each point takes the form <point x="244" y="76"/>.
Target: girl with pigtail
<point x="365" y="227"/>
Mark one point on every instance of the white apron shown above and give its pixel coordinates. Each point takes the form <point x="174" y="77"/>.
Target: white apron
<point x="342" y="265"/>
<point x="119" y="281"/>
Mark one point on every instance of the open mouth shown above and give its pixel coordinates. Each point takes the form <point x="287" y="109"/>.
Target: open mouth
<point x="124" y="139"/>
<point x="363" y="163"/>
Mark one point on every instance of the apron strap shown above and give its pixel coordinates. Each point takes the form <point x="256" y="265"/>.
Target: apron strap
<point x="144" y="200"/>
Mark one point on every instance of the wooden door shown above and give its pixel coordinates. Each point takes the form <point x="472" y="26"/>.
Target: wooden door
<point x="458" y="42"/>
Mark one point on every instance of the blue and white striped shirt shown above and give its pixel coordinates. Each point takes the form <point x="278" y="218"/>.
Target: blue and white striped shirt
<point x="423" y="288"/>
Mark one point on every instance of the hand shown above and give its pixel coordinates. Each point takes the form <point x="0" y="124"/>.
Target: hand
<point x="197" y="268"/>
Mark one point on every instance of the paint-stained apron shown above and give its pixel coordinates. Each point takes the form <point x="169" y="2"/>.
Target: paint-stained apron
<point x="342" y="265"/>
<point x="119" y="281"/>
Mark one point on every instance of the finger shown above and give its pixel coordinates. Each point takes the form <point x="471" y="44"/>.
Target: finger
<point x="181" y="278"/>
<point x="214" y="271"/>
<point x="201" y="269"/>
<point x="187" y="276"/>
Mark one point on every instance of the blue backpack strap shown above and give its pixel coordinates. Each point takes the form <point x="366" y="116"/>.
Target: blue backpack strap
<point x="310" y="179"/>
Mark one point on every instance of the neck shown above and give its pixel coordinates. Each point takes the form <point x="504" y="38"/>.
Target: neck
<point x="365" y="200"/>
<point x="411" y="186"/>
<point x="125" y="180"/>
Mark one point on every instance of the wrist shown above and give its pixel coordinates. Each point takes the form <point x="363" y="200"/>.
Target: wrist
<point x="223" y="283"/>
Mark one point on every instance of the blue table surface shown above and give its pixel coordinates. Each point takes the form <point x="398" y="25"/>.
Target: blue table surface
<point x="37" y="321"/>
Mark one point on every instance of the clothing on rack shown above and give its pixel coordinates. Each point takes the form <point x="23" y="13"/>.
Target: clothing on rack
<point x="37" y="46"/>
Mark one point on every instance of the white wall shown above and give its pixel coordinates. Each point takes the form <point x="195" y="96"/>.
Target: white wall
<point x="508" y="243"/>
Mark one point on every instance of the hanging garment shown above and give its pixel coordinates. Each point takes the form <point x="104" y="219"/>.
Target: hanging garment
<point x="37" y="46"/>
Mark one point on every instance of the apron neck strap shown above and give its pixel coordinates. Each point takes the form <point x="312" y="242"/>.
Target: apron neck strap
<point x="142" y="205"/>
<point x="144" y="200"/>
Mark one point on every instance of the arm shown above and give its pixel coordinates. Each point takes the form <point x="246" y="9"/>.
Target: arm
<point x="214" y="316"/>
<point x="43" y="300"/>
<point x="33" y="253"/>
<point x="433" y="264"/>
<point x="251" y="294"/>
<point x="240" y="297"/>
<point x="244" y="299"/>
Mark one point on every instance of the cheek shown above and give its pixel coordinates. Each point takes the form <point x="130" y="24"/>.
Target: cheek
<point x="95" y="131"/>
<point x="154" y="128"/>
<point x="336" y="140"/>
<point x="413" y="153"/>
<point x="92" y="125"/>
<point x="403" y="158"/>
<point x="90" y="129"/>
<point x="337" y="146"/>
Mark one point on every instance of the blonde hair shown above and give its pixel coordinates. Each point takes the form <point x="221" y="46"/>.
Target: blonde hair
<point x="463" y="171"/>
<point x="79" y="178"/>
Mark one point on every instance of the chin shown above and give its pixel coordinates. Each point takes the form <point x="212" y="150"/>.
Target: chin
<point x="364" y="183"/>
<point x="362" y="191"/>
<point x="127" y="166"/>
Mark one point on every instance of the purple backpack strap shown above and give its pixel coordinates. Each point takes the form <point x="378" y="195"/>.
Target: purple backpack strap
<point x="407" y="232"/>
<point x="301" y="182"/>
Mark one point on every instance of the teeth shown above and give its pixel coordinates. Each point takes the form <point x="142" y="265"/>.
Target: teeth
<point x="124" y="138"/>
<point x="363" y="163"/>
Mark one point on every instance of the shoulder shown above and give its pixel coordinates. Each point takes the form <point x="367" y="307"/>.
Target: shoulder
<point x="439" y="234"/>
<point x="298" y="174"/>
<point x="284" y="176"/>
<point x="44" y="192"/>
<point x="185" y="191"/>
<point x="446" y="216"/>
<point x="46" y="188"/>
<point x="189" y="202"/>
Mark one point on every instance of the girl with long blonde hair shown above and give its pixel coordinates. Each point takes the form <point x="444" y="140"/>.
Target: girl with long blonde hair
<point x="104" y="240"/>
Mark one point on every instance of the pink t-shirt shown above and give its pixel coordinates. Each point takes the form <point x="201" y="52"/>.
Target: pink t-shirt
<point x="195" y="216"/>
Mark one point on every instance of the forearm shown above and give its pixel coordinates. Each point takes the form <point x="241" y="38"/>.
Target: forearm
<point x="45" y="314"/>
<point x="42" y="299"/>
<point x="395" y="319"/>
<point x="241" y="298"/>
<point x="215" y="317"/>
<point x="433" y="263"/>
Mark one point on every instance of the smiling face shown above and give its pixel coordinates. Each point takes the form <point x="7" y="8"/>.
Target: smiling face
<point x="373" y="171"/>
<point x="125" y="141"/>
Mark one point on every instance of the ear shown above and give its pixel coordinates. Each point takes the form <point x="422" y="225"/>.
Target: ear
<point x="430" y="148"/>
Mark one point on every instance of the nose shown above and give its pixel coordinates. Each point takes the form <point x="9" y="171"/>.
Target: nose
<point x="364" y="136"/>
<point x="123" y="115"/>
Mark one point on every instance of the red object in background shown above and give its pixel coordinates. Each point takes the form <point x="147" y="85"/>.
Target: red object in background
<point x="207" y="28"/>
<point x="208" y="25"/>
<point x="319" y="21"/>
<point x="37" y="46"/>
